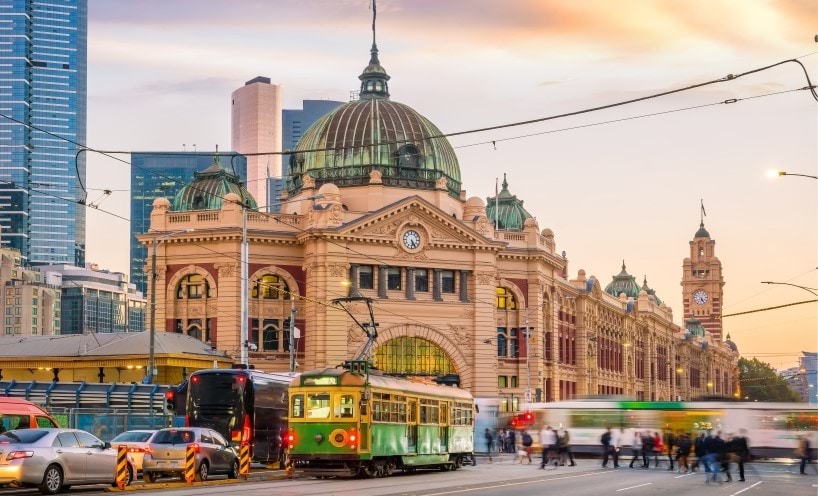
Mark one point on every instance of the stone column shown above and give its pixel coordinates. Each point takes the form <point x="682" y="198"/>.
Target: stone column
<point x="438" y="282"/>
<point x="353" y="276"/>
<point x="410" y="283"/>
<point x="382" y="273"/>
<point x="464" y="286"/>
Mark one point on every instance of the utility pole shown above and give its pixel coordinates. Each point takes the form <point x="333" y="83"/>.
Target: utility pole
<point x="245" y="359"/>
<point x="292" y="333"/>
<point x="527" y="397"/>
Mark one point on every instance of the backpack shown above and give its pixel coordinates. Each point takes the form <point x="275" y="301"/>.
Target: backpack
<point x="605" y="439"/>
<point x="527" y="440"/>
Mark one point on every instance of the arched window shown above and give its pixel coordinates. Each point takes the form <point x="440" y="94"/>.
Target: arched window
<point x="408" y="156"/>
<point x="505" y="300"/>
<point x="270" y="287"/>
<point x="412" y="356"/>
<point x="193" y="286"/>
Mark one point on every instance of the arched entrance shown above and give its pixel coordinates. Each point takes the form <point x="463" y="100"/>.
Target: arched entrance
<point x="412" y="356"/>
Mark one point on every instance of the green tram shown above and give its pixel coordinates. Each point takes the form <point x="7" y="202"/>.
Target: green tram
<point x="345" y="424"/>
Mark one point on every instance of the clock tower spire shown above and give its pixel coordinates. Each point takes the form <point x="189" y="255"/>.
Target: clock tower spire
<point x="703" y="283"/>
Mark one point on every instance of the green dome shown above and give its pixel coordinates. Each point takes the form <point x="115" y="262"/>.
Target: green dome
<point x="207" y="190"/>
<point x="623" y="283"/>
<point x="694" y="327"/>
<point x="702" y="232"/>
<point x="512" y="214"/>
<point x="374" y="133"/>
<point x="650" y="292"/>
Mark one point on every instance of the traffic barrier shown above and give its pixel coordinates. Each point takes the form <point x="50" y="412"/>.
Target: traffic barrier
<point x="121" y="466"/>
<point x="244" y="460"/>
<point x="190" y="463"/>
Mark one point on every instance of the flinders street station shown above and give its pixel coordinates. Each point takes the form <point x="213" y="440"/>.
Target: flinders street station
<point x="464" y="290"/>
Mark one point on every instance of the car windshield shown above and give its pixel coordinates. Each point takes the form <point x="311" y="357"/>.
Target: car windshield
<point x="132" y="437"/>
<point x="26" y="436"/>
<point x="174" y="437"/>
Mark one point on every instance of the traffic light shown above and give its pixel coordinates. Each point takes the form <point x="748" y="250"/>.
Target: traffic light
<point x="170" y="400"/>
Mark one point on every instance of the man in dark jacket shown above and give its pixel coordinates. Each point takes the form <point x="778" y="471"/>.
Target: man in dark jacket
<point x="647" y="449"/>
<point x="742" y="450"/>
<point x="670" y="441"/>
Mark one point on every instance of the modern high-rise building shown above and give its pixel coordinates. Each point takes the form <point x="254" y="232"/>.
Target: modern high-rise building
<point x="30" y="305"/>
<point x="43" y="58"/>
<point x="293" y="124"/>
<point x="256" y="128"/>
<point x="163" y="174"/>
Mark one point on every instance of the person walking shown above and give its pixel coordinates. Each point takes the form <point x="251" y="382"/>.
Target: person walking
<point x="698" y="450"/>
<point x="565" y="448"/>
<point x="742" y="449"/>
<point x="683" y="452"/>
<point x="647" y="449"/>
<point x="605" y="440"/>
<point x="636" y="447"/>
<point x="726" y="453"/>
<point x="547" y="440"/>
<point x="527" y="441"/>
<point x="489" y="443"/>
<point x="658" y="447"/>
<point x="803" y="453"/>
<point x="670" y="442"/>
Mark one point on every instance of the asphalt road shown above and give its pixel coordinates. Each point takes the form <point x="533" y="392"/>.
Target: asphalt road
<point x="505" y="478"/>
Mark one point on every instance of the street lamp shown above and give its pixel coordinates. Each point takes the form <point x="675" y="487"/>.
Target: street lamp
<point x="812" y="291"/>
<point x="778" y="173"/>
<point x="152" y="347"/>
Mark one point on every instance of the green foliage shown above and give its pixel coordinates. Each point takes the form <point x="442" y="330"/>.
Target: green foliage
<point x="760" y="382"/>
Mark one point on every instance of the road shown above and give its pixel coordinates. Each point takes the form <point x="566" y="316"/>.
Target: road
<point x="504" y="478"/>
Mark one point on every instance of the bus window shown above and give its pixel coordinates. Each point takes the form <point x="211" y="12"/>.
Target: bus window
<point x="345" y="406"/>
<point x="318" y="405"/>
<point x="298" y="406"/>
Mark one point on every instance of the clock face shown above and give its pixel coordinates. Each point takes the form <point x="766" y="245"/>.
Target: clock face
<point x="700" y="297"/>
<point x="411" y="239"/>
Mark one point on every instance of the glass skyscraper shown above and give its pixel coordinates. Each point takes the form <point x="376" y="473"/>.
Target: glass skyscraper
<point x="163" y="174"/>
<point x="43" y="58"/>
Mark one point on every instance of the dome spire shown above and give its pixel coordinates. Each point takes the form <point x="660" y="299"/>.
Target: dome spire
<point x="374" y="77"/>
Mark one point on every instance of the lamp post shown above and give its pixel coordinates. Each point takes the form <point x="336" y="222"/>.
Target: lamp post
<point x="778" y="173"/>
<point x="152" y="346"/>
<point x="812" y="291"/>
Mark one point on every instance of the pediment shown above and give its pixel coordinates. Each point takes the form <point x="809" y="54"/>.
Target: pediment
<point x="437" y="226"/>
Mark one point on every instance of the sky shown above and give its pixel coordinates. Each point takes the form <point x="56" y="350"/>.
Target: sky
<point x="160" y="75"/>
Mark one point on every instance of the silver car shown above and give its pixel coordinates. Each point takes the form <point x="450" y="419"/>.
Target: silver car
<point x="165" y="454"/>
<point x="55" y="459"/>
<point x="136" y="441"/>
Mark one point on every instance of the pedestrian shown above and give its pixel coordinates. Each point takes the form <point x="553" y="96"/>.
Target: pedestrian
<point x="636" y="447"/>
<point x="554" y="454"/>
<point x="803" y="453"/>
<point x="710" y="460"/>
<point x="658" y="447"/>
<point x="742" y="449"/>
<point x="617" y="438"/>
<point x="683" y="452"/>
<point x="670" y="442"/>
<point x="527" y="441"/>
<point x="605" y="440"/>
<point x="547" y="440"/>
<point x="565" y="447"/>
<point x="511" y="442"/>
<point x="647" y="449"/>
<point x="698" y="450"/>
<point x="489" y="443"/>
<point x="726" y="453"/>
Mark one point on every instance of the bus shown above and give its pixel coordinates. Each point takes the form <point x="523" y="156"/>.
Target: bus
<point x="244" y="406"/>
<point x="772" y="429"/>
<point x="349" y="424"/>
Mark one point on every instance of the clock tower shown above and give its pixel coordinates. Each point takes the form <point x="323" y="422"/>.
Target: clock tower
<point x="702" y="283"/>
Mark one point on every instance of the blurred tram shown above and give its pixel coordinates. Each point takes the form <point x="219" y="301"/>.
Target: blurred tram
<point x="772" y="428"/>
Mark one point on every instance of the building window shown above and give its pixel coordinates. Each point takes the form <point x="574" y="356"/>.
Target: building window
<point x="270" y="287"/>
<point x="366" y="279"/>
<point x="701" y="252"/>
<point x="447" y="281"/>
<point x="505" y="300"/>
<point x="514" y="381"/>
<point x="393" y="278"/>
<point x="502" y="381"/>
<point x="9" y="330"/>
<point x="502" y="342"/>
<point x="193" y="286"/>
<point x="421" y="280"/>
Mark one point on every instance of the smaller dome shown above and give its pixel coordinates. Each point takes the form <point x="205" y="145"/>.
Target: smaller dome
<point x="161" y="202"/>
<point x="731" y="344"/>
<point x="548" y="233"/>
<point x="702" y="232"/>
<point x="507" y="210"/>
<point x="623" y="283"/>
<point x="694" y="327"/>
<point x="475" y="201"/>
<point x="208" y="190"/>
<point x="329" y="189"/>
<point x="531" y="222"/>
<point x="650" y="291"/>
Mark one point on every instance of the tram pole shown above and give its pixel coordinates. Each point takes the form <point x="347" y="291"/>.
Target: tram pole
<point x="292" y="334"/>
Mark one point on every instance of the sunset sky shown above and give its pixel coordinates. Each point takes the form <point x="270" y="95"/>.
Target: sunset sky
<point x="161" y="74"/>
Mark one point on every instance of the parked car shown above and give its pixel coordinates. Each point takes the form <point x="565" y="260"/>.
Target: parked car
<point x="136" y="441"/>
<point x="17" y="413"/>
<point x="56" y="459"/>
<point x="165" y="454"/>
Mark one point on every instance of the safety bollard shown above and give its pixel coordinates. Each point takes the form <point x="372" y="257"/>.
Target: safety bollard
<point x="190" y="463"/>
<point x="244" y="460"/>
<point x="121" y="466"/>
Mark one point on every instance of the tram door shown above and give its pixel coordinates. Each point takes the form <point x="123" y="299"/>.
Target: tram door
<point x="412" y="427"/>
<point x="444" y="427"/>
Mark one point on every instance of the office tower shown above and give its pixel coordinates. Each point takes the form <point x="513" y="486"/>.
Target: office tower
<point x="163" y="174"/>
<point x="30" y="305"/>
<point x="256" y="128"/>
<point x="294" y="122"/>
<point x="43" y="56"/>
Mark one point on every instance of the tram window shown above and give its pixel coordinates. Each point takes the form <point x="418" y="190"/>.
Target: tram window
<point x="298" y="406"/>
<point x="345" y="407"/>
<point x="596" y="418"/>
<point x="318" y="405"/>
<point x="789" y="421"/>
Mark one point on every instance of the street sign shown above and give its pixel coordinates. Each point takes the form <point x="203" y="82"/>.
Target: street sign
<point x="527" y="395"/>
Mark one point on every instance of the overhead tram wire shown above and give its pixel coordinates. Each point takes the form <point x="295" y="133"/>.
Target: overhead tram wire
<point x="78" y="202"/>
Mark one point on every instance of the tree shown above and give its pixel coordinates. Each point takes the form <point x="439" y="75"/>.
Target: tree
<point x="760" y="382"/>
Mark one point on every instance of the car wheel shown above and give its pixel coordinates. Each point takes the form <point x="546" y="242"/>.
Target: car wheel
<point x="52" y="480"/>
<point x="148" y="477"/>
<point x="201" y="474"/>
<point x="234" y="470"/>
